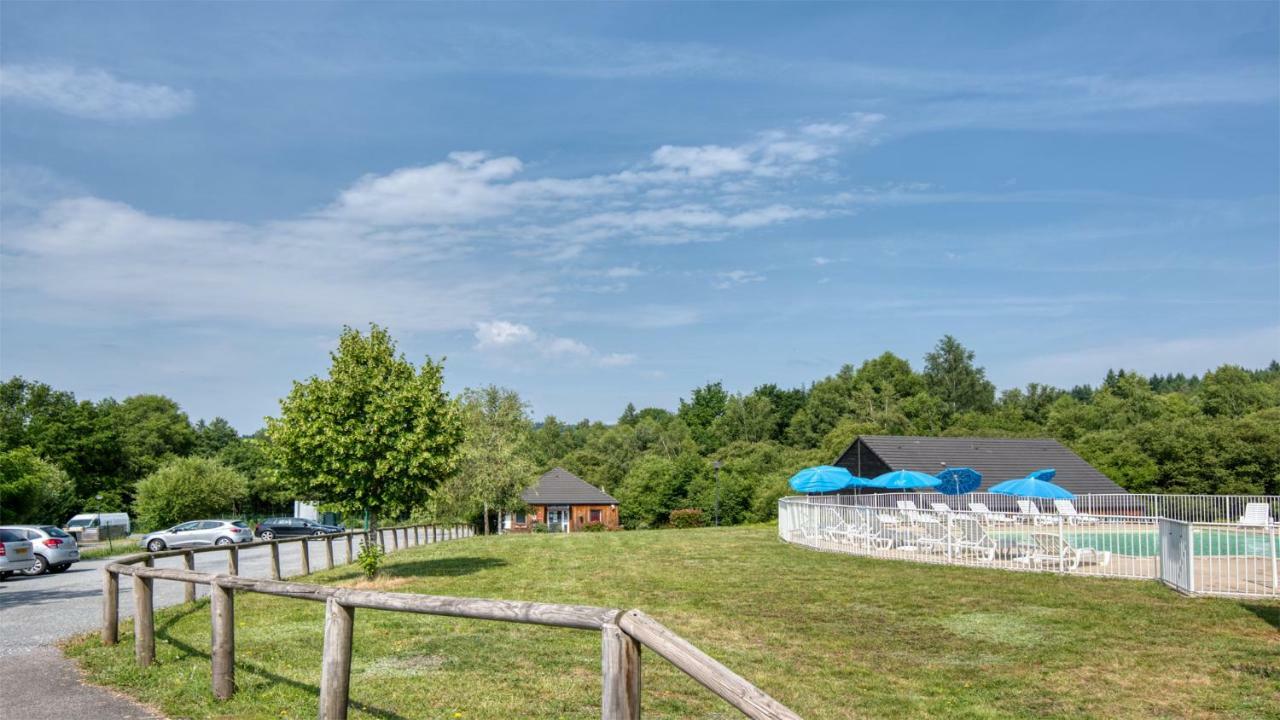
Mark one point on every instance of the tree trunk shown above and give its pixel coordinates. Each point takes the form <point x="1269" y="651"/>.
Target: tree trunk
<point x="486" y="518"/>
<point x="373" y="528"/>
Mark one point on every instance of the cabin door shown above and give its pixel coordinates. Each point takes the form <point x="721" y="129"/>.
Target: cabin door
<point x="558" y="518"/>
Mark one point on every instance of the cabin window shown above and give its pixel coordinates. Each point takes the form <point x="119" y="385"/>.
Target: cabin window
<point x="520" y="519"/>
<point x="595" y="516"/>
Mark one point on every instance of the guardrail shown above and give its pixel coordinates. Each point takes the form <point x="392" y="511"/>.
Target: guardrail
<point x="622" y="633"/>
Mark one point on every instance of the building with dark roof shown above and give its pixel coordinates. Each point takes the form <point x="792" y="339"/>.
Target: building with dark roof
<point x="563" y="502"/>
<point x="998" y="459"/>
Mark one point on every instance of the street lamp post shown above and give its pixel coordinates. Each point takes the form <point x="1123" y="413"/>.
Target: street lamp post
<point x="717" y="465"/>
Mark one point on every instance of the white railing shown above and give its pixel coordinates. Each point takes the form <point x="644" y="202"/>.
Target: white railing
<point x="1191" y="508"/>
<point x="1215" y="558"/>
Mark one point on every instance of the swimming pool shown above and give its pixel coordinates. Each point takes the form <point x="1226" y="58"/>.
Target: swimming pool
<point x="1208" y="541"/>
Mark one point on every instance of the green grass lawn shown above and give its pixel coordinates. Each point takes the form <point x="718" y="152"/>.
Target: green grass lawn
<point x="831" y="636"/>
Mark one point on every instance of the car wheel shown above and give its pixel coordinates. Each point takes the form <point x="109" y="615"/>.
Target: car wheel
<point x="222" y="541"/>
<point x="155" y="545"/>
<point x="41" y="567"/>
<point x="267" y="535"/>
<point x="60" y="568"/>
<point x="4" y="575"/>
<point x="318" y="533"/>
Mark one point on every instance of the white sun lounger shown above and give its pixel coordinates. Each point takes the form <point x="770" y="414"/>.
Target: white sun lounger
<point x="970" y="537"/>
<point x="1256" y="515"/>
<point x="1029" y="508"/>
<point x="908" y="508"/>
<point x="942" y="508"/>
<point x="1051" y="548"/>
<point x="981" y="509"/>
<point x="1067" y="509"/>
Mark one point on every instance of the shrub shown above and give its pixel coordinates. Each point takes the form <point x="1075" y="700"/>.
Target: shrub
<point x="370" y="559"/>
<point x="187" y="489"/>
<point x="538" y="527"/>
<point x="687" y="518"/>
<point x="594" y="527"/>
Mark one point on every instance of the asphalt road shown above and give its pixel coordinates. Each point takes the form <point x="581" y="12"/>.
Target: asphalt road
<point x="38" y="683"/>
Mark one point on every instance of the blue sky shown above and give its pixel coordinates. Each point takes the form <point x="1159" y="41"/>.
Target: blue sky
<point x="597" y="204"/>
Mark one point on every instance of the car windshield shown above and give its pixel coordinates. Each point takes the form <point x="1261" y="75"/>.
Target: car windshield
<point x="53" y="531"/>
<point x="80" y="522"/>
<point x="240" y="524"/>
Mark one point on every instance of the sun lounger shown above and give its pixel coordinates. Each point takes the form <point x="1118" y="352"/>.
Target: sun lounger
<point x="933" y="536"/>
<point x="941" y="507"/>
<point x="836" y="528"/>
<point x="1256" y="515"/>
<point x="913" y="514"/>
<point x="1067" y="509"/>
<point x="883" y="534"/>
<point x="1026" y="507"/>
<point x="971" y="538"/>
<point x="994" y="517"/>
<point x="1052" y="548"/>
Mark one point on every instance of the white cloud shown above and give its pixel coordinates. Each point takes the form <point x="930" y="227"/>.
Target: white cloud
<point x="704" y="161"/>
<point x="91" y="93"/>
<point x="623" y="272"/>
<point x="500" y="333"/>
<point x="732" y="278"/>
<point x="513" y="342"/>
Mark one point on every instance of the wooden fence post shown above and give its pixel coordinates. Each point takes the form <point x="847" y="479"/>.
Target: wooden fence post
<point x="110" y="607"/>
<point x="144" y="621"/>
<point x="416" y="541"/>
<point x="395" y="539"/>
<point x="233" y="560"/>
<point x="306" y="557"/>
<point x="328" y="553"/>
<point x="620" y="673"/>
<point x="275" y="560"/>
<point x="222" y="611"/>
<point x="350" y="548"/>
<point x="335" y="672"/>
<point x="435" y="537"/>
<point x="189" y="591"/>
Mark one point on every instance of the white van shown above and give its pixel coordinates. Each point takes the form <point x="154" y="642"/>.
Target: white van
<point x="92" y="527"/>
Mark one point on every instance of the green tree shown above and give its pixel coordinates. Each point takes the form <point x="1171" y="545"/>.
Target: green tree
<point x="213" y="436"/>
<point x="376" y="435"/>
<point x="33" y="490"/>
<point x="951" y="376"/>
<point x="186" y="488"/>
<point x="746" y="419"/>
<point x="1233" y="391"/>
<point x="699" y="413"/>
<point x="149" y="429"/>
<point x="495" y="461"/>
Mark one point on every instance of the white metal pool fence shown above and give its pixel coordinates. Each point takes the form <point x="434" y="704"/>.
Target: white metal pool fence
<point x="1108" y="536"/>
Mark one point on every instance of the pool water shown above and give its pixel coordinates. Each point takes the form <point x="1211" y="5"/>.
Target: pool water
<point x="1139" y="543"/>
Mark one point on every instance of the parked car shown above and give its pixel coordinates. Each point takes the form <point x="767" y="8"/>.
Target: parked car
<point x="198" y="532"/>
<point x="273" y="528"/>
<point x="53" y="548"/>
<point x="94" y="527"/>
<point x="15" y="553"/>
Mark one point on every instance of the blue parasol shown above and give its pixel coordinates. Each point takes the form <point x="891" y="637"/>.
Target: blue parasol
<point x="959" y="481"/>
<point x="824" y="478"/>
<point x="904" y="480"/>
<point x="1032" y="487"/>
<point x="1045" y="474"/>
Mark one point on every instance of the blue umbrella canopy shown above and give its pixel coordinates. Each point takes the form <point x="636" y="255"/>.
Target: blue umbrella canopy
<point x="823" y="478"/>
<point x="1045" y="474"/>
<point x="959" y="481"/>
<point x="904" y="480"/>
<point x="1032" y="487"/>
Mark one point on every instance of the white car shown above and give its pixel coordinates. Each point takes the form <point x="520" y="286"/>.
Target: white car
<point x="198" y="532"/>
<point x="15" y="553"/>
<point x="54" y="549"/>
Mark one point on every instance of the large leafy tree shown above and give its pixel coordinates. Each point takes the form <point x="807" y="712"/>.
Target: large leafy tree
<point x="149" y="429"/>
<point x="700" y="411"/>
<point x="33" y="490"/>
<point x="185" y="488"/>
<point x="495" y="460"/>
<point x="951" y="376"/>
<point x="376" y="434"/>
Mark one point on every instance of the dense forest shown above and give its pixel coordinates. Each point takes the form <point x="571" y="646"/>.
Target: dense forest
<point x="1216" y="433"/>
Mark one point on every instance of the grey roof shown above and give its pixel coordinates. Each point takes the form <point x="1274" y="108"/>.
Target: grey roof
<point x="561" y="487"/>
<point x="998" y="459"/>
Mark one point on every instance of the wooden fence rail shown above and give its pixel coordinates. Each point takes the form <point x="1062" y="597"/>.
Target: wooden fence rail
<point x="622" y="634"/>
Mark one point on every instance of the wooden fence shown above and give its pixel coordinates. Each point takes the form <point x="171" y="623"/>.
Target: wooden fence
<point x="622" y="633"/>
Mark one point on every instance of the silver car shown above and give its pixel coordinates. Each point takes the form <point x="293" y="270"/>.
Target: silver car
<point x="198" y="532"/>
<point x="54" y="548"/>
<point x="15" y="553"/>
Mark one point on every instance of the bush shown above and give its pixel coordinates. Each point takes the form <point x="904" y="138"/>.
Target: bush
<point x="187" y="489"/>
<point x="594" y="527"/>
<point x="370" y="559"/>
<point x="33" y="490"/>
<point x="687" y="518"/>
<point x="538" y="527"/>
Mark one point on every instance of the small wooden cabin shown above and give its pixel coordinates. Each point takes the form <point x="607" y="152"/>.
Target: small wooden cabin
<point x="563" y="502"/>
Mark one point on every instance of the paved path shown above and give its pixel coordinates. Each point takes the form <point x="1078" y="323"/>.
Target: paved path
<point x="37" y="612"/>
